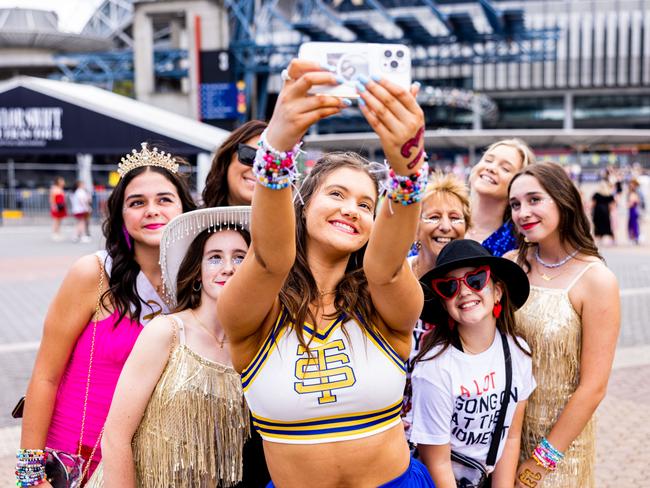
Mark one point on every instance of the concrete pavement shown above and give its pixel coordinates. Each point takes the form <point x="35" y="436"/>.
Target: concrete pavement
<point x="32" y="267"/>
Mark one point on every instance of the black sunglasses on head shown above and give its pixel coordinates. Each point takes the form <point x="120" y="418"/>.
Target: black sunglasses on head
<point x="246" y="154"/>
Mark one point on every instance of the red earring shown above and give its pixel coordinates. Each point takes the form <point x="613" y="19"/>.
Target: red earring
<point x="496" y="311"/>
<point x="451" y="322"/>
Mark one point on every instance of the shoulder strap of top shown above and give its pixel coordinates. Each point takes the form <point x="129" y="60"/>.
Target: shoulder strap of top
<point x="579" y="275"/>
<point x="180" y="327"/>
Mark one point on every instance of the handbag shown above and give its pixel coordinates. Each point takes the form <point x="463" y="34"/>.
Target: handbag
<point x="62" y="469"/>
<point x="469" y="472"/>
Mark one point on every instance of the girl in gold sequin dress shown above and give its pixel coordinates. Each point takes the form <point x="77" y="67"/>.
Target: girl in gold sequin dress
<point x="571" y="322"/>
<point x="178" y="417"/>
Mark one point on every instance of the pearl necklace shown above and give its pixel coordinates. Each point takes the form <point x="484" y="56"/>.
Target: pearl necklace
<point x="562" y="262"/>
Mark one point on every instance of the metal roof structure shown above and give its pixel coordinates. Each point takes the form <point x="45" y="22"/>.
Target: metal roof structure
<point x="40" y="29"/>
<point x="266" y="34"/>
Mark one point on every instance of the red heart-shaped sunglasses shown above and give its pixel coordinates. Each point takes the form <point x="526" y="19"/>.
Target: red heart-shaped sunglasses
<point x="475" y="280"/>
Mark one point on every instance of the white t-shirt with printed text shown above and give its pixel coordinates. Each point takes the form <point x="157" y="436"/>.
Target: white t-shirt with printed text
<point x="457" y="396"/>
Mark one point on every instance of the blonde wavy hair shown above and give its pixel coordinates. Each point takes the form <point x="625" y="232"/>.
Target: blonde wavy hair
<point x="441" y="184"/>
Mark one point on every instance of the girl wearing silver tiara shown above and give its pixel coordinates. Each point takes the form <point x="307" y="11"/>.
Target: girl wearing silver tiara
<point x="178" y="417"/>
<point x="323" y="341"/>
<point x="95" y="318"/>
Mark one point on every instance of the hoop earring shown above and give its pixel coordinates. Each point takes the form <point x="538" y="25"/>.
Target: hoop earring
<point x="194" y="288"/>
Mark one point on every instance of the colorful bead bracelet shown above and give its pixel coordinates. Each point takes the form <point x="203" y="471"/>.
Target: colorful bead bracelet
<point x="275" y="169"/>
<point x="407" y="189"/>
<point x="547" y="456"/>
<point x="30" y="467"/>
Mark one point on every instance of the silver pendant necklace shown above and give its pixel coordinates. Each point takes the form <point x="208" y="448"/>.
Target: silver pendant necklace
<point x="562" y="262"/>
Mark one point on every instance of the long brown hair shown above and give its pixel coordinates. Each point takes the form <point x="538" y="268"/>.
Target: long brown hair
<point x="216" y="191"/>
<point x="445" y="334"/>
<point x="300" y="290"/>
<point x="122" y="290"/>
<point x="189" y="271"/>
<point x="574" y="227"/>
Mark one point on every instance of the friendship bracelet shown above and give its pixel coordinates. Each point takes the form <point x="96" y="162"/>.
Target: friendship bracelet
<point x="407" y="189"/>
<point x="547" y="456"/>
<point x="275" y="169"/>
<point x="30" y="467"/>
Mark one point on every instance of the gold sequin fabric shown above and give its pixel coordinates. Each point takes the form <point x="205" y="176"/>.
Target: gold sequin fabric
<point x="193" y="429"/>
<point x="553" y="329"/>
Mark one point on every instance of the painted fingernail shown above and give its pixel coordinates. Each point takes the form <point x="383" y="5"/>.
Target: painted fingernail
<point x="347" y="101"/>
<point x="417" y="84"/>
<point x="361" y="102"/>
<point x="363" y="79"/>
<point x="360" y="88"/>
<point x="340" y="80"/>
<point x="328" y="67"/>
<point x="376" y="78"/>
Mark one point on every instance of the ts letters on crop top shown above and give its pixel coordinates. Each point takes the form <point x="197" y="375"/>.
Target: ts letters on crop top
<point x="350" y="388"/>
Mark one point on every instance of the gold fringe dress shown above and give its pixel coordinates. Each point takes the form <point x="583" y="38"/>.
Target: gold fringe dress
<point x="553" y="329"/>
<point x="193" y="430"/>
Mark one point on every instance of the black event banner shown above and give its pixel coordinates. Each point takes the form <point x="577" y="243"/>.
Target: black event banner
<point x="35" y="123"/>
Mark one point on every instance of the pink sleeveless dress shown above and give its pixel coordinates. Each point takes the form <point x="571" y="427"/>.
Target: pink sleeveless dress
<point x="113" y="344"/>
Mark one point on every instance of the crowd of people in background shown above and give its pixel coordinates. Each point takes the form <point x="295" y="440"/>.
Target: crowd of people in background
<point x="365" y="325"/>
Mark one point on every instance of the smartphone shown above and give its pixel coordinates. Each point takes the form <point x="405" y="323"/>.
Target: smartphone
<point x="351" y="59"/>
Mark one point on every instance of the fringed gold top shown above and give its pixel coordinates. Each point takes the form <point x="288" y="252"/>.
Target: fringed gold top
<point x="193" y="429"/>
<point x="553" y="329"/>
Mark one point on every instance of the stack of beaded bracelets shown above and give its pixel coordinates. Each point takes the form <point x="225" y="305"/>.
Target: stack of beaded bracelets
<point x="407" y="189"/>
<point x="275" y="169"/>
<point x="546" y="456"/>
<point x="30" y="467"/>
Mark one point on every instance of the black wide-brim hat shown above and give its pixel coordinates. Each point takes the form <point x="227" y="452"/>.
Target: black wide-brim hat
<point x="462" y="253"/>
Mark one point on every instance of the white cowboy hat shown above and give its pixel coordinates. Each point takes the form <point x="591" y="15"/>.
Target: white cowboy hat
<point x="183" y="229"/>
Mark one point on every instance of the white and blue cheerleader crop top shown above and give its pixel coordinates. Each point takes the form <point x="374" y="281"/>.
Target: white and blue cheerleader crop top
<point x="350" y="388"/>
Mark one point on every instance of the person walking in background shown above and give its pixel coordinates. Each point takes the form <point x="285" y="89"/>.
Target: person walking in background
<point x="603" y="204"/>
<point x="491" y="224"/>
<point x="472" y="376"/>
<point x="57" y="207"/>
<point x="178" y="416"/>
<point x="571" y="322"/>
<point x="633" y="211"/>
<point x="80" y="205"/>
<point x="95" y="318"/>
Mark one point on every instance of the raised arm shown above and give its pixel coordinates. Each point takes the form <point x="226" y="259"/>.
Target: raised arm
<point x="249" y="302"/>
<point x="68" y="314"/>
<point x="398" y="120"/>
<point x="598" y="293"/>
<point x="137" y="381"/>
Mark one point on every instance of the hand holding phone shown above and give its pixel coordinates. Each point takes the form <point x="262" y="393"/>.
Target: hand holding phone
<point x="353" y="60"/>
<point x="398" y="120"/>
<point x="295" y="110"/>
